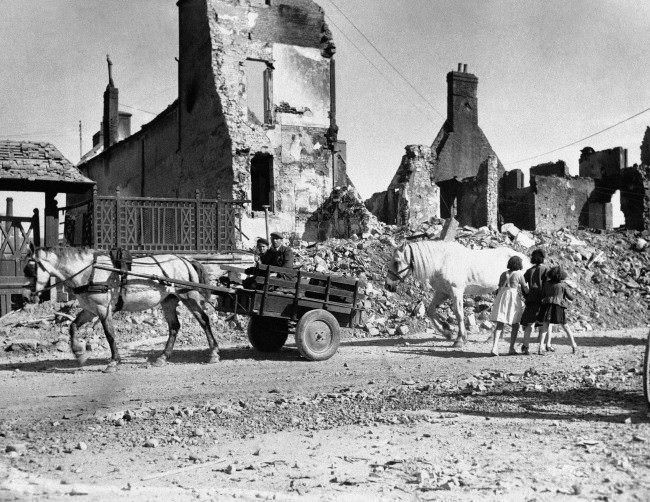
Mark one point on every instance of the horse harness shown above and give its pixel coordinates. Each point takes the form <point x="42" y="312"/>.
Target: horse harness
<point x="398" y="274"/>
<point x="120" y="259"/>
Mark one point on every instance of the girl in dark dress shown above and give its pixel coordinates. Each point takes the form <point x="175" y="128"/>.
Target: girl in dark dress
<point x="553" y="308"/>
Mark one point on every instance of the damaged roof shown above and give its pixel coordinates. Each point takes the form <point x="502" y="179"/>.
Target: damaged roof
<point x="38" y="166"/>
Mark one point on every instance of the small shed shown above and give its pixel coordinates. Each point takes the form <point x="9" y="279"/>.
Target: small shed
<point x="30" y="166"/>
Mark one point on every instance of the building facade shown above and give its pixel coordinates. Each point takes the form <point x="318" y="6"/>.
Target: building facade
<point x="254" y="118"/>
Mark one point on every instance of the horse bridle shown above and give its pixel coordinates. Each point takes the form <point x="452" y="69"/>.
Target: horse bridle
<point x="398" y="275"/>
<point x="44" y="269"/>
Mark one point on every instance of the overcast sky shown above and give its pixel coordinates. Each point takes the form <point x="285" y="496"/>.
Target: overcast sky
<point x="550" y="72"/>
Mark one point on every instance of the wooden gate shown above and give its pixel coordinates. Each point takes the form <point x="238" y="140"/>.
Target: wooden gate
<point x="155" y="225"/>
<point x="16" y="235"/>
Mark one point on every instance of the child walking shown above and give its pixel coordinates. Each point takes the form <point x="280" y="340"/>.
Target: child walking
<point x="554" y="304"/>
<point x="509" y="302"/>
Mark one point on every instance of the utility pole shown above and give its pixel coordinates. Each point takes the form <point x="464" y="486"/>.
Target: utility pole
<point x="81" y="148"/>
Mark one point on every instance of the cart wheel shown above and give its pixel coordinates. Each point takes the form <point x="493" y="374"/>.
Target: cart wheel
<point x="318" y="335"/>
<point x="646" y="371"/>
<point x="267" y="334"/>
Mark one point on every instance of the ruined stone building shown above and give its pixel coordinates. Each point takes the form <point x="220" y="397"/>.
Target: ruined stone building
<point x="254" y="119"/>
<point x="555" y="199"/>
<point x="458" y="174"/>
<point x="461" y="175"/>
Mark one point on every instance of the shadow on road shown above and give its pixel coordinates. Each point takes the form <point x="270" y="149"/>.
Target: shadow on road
<point x="142" y="356"/>
<point x="585" y="403"/>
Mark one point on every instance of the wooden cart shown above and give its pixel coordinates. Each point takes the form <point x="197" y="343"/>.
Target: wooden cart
<point x="311" y="305"/>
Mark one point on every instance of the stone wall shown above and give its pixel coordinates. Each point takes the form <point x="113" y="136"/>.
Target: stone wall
<point x="411" y="197"/>
<point x="602" y="165"/>
<point x="635" y="197"/>
<point x="561" y="202"/>
<point x="558" y="168"/>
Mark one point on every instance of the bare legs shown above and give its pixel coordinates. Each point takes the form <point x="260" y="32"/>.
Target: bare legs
<point x="513" y="339"/>
<point x="547" y="330"/>
<point x="496" y="336"/>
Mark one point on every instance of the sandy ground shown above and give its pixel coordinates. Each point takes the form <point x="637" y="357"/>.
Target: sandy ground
<point x="399" y="418"/>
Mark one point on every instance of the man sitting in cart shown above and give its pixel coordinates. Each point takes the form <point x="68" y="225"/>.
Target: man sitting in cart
<point x="278" y="255"/>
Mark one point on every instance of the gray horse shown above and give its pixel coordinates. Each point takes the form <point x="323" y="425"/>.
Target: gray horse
<point x="98" y="291"/>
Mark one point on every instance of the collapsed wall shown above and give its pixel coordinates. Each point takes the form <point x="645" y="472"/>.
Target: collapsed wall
<point x="412" y="197"/>
<point x="457" y="176"/>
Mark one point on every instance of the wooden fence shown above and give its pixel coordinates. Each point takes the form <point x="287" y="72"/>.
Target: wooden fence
<point x="155" y="225"/>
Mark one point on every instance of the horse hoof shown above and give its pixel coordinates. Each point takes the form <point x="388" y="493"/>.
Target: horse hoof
<point x="111" y="368"/>
<point x="458" y="343"/>
<point x="81" y="358"/>
<point x="160" y="361"/>
<point x="214" y="358"/>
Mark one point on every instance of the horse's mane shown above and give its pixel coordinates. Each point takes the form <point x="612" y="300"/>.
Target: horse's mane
<point x="66" y="253"/>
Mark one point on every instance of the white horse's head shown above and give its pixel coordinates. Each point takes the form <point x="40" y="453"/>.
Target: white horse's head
<point x="400" y="266"/>
<point x="41" y="266"/>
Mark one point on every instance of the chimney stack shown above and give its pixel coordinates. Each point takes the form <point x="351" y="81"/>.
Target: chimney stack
<point x="111" y="119"/>
<point x="462" y="104"/>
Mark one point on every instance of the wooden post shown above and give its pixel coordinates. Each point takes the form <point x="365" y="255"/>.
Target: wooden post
<point x="266" y="220"/>
<point x="36" y="228"/>
<point x="118" y="211"/>
<point x="51" y="228"/>
<point x="51" y="220"/>
<point x="93" y="215"/>
<point x="197" y="207"/>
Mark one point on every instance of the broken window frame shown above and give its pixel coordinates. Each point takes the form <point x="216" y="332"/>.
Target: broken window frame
<point x="267" y="92"/>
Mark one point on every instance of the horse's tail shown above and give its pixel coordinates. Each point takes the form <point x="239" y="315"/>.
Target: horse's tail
<point x="204" y="277"/>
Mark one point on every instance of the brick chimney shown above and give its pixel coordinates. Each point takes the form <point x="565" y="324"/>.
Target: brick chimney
<point x="462" y="104"/>
<point x="111" y="118"/>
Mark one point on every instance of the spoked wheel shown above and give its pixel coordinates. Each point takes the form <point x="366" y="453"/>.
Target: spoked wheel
<point x="646" y="371"/>
<point x="267" y="334"/>
<point x="318" y="335"/>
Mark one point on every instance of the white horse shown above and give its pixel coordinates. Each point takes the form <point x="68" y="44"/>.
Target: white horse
<point x="99" y="292"/>
<point x="451" y="270"/>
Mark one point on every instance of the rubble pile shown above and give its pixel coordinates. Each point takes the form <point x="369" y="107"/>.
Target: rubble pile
<point x="609" y="272"/>
<point x="342" y="215"/>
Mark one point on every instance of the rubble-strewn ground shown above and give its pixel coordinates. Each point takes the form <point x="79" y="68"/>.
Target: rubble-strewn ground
<point x="395" y="414"/>
<point x="400" y="418"/>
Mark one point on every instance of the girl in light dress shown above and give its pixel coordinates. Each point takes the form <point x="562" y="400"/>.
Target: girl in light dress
<point x="509" y="302"/>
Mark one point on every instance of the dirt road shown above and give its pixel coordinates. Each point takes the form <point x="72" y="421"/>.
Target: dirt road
<point x="399" y="418"/>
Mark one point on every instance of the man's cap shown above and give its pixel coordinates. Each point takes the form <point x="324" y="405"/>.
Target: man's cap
<point x="262" y="240"/>
<point x="276" y="235"/>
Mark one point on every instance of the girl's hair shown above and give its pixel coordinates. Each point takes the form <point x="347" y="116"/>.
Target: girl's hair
<point x="514" y="263"/>
<point x="557" y="274"/>
<point x="537" y="257"/>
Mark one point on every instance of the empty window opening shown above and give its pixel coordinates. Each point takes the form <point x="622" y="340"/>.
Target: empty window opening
<point x="450" y="191"/>
<point x="262" y="182"/>
<point x="259" y="95"/>
<point x="618" y="218"/>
